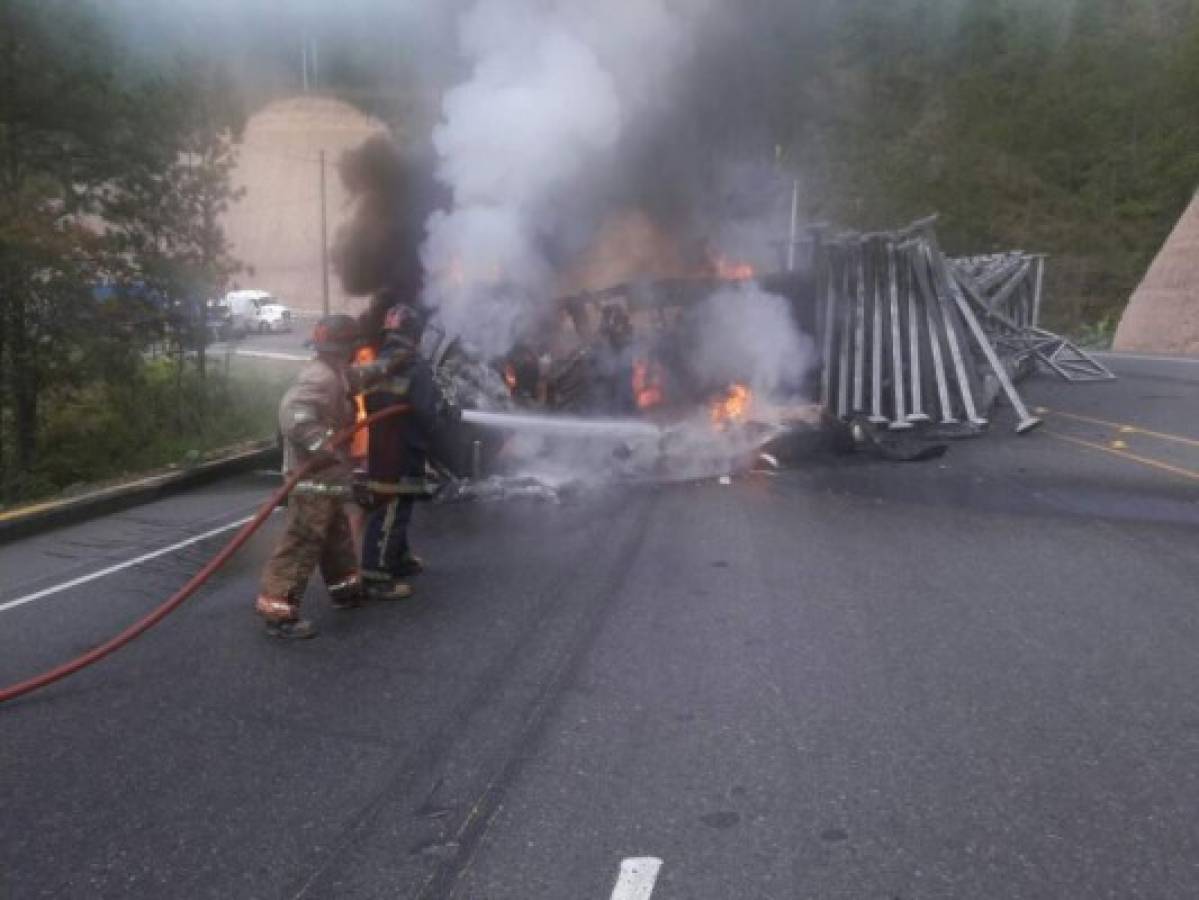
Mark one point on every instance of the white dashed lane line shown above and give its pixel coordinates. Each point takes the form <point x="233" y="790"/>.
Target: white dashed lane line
<point x="637" y="878"/>
<point x="129" y="563"/>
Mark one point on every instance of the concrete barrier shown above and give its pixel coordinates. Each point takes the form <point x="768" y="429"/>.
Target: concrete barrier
<point x="39" y="517"/>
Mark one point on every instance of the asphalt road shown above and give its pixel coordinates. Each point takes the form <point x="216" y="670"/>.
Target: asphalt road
<point x="969" y="678"/>
<point x="284" y="343"/>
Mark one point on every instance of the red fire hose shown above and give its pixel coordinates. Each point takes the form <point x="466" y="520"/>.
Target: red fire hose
<point x="137" y="628"/>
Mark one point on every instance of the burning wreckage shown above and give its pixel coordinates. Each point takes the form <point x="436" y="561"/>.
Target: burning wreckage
<point x="675" y="379"/>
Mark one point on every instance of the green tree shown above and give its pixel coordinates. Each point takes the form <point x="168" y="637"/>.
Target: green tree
<point x="163" y="210"/>
<point x="106" y="178"/>
<point x="56" y="155"/>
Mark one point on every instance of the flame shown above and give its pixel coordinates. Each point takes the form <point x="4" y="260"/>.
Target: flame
<point x="360" y="443"/>
<point x="728" y="270"/>
<point x="510" y="376"/>
<point x="733" y="407"/>
<point x="647" y="384"/>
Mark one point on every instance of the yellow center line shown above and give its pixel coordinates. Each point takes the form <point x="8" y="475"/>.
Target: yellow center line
<point x="1124" y="454"/>
<point x="26" y="510"/>
<point x="1122" y="427"/>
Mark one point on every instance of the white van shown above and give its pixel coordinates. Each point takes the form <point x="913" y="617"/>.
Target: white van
<point x="257" y="311"/>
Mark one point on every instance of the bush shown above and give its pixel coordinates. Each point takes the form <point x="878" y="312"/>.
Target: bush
<point x="157" y="417"/>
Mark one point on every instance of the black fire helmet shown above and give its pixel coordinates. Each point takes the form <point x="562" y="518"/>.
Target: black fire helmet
<point x="405" y="321"/>
<point x="335" y="334"/>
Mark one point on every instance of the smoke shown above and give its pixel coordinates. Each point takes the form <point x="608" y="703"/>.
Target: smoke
<point x="745" y="335"/>
<point x="376" y="251"/>
<point x="524" y="146"/>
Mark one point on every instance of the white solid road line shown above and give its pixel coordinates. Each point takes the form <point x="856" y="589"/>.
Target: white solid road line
<point x="273" y="354"/>
<point x="637" y="877"/>
<point x="145" y="557"/>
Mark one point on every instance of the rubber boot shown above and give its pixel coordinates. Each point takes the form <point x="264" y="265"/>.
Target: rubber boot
<point x="347" y="594"/>
<point x="388" y="590"/>
<point x="281" y="616"/>
<point x="291" y="629"/>
<point x="410" y="564"/>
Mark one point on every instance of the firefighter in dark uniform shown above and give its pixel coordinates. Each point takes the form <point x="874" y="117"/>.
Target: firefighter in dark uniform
<point x="317" y="533"/>
<point x="397" y="453"/>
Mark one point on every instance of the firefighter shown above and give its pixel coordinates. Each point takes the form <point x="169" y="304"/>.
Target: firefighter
<point x="397" y="453"/>
<point x="317" y="532"/>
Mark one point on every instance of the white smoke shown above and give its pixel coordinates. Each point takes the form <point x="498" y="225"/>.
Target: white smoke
<point x="749" y="336"/>
<point x="554" y="84"/>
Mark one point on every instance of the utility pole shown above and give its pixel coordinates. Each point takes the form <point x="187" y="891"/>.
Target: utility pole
<point x="308" y="63"/>
<point x="791" y="238"/>
<point x="324" y="242"/>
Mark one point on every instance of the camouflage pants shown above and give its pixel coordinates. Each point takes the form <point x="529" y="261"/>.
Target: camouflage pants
<point x="317" y="534"/>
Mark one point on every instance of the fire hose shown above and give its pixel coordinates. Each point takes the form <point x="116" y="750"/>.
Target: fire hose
<point x="157" y="615"/>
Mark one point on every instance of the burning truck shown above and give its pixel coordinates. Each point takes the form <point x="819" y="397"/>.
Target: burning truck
<point x="908" y="348"/>
<point x="657" y="378"/>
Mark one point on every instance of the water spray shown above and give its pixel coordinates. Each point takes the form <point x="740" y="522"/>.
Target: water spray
<point x="562" y="425"/>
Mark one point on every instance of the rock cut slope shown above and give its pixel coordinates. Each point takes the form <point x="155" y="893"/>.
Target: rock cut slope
<point x="1163" y="314"/>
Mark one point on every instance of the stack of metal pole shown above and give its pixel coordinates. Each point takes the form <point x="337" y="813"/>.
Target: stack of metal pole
<point x="1006" y="289"/>
<point x="902" y="343"/>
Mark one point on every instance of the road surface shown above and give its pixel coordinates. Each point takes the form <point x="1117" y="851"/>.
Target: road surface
<point x="968" y="678"/>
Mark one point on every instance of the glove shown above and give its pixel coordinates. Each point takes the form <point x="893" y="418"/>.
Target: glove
<point x="362" y="494"/>
<point x="449" y="412"/>
<point x="398" y="361"/>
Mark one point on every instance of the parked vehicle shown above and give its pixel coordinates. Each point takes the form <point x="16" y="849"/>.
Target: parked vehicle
<point x="252" y="310"/>
<point x="218" y="321"/>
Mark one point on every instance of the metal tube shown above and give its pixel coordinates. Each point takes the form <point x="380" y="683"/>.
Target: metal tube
<point x="828" y="326"/>
<point x="965" y="283"/>
<point x="1026" y="294"/>
<point x="876" y="336"/>
<point x="1036" y="297"/>
<point x="934" y="341"/>
<point x="892" y="284"/>
<point x="1026" y="421"/>
<point x="917" y="414"/>
<point x="859" y="333"/>
<point x="1000" y="297"/>
<point x="843" y="362"/>
<point x="951" y="337"/>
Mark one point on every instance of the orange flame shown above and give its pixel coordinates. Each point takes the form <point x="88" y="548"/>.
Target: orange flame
<point x="360" y="443"/>
<point x="510" y="377"/>
<point x="728" y="270"/>
<point x="733" y="407"/>
<point x="647" y="384"/>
